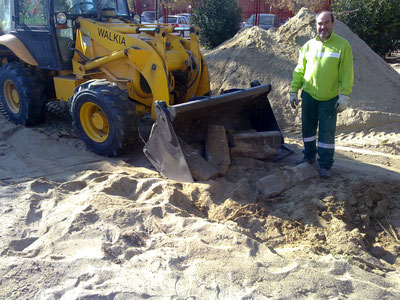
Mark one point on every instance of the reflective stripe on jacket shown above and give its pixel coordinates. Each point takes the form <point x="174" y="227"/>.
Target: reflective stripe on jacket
<point x="324" y="69"/>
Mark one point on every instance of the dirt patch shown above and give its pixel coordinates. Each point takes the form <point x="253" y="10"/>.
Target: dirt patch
<point x="357" y="220"/>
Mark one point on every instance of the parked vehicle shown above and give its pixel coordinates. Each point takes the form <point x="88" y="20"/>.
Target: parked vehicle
<point x="265" y="21"/>
<point x="176" y="21"/>
<point x="146" y="20"/>
<point x="187" y="16"/>
<point x="149" y="15"/>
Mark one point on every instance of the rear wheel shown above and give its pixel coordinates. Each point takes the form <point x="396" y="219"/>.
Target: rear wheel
<point x="22" y="94"/>
<point x="104" y="117"/>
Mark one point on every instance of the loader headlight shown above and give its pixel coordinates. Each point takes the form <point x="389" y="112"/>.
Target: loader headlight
<point x="61" y="18"/>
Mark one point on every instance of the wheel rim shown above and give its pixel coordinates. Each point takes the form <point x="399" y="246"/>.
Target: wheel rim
<point x="12" y="97"/>
<point x="94" y="122"/>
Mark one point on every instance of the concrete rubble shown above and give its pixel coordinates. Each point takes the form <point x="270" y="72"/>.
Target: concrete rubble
<point x="274" y="184"/>
<point x="259" y="145"/>
<point x="217" y="149"/>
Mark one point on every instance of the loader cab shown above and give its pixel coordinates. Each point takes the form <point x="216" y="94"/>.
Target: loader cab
<point x="47" y="27"/>
<point x="65" y="12"/>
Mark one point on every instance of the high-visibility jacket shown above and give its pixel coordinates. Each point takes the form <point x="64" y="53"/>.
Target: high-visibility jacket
<point x="324" y="69"/>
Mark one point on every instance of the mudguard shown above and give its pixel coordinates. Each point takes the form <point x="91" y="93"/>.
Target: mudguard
<point x="18" y="48"/>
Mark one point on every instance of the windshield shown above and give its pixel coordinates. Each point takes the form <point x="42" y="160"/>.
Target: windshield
<point x="263" y="20"/>
<point x="266" y="20"/>
<point x="5" y="16"/>
<point x="149" y="14"/>
<point x="89" y="7"/>
<point x="170" y="20"/>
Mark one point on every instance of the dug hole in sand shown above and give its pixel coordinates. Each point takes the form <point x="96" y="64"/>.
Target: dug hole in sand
<point x="79" y="226"/>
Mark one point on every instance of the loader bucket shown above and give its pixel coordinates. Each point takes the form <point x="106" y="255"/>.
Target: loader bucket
<point x="243" y="110"/>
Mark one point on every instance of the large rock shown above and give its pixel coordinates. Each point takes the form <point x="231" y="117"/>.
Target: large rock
<point x="258" y="145"/>
<point x="281" y="180"/>
<point x="217" y="149"/>
<point x="198" y="166"/>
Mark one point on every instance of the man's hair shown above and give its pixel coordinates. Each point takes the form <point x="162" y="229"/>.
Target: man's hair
<point x="326" y="12"/>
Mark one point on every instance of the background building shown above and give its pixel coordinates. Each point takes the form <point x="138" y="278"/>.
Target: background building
<point x="248" y="7"/>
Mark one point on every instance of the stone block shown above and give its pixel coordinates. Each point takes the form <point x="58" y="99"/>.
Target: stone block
<point x="272" y="138"/>
<point x="200" y="168"/>
<point x="217" y="148"/>
<point x="259" y="145"/>
<point x="276" y="183"/>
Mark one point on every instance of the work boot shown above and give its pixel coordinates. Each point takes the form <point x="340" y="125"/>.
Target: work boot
<point x="324" y="172"/>
<point x="305" y="159"/>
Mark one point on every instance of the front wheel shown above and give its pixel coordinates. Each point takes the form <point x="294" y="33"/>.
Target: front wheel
<point x="22" y="94"/>
<point x="104" y="117"/>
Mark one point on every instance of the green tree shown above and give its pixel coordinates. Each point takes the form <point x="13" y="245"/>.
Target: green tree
<point x="218" y="20"/>
<point x="296" y="5"/>
<point x="377" y="22"/>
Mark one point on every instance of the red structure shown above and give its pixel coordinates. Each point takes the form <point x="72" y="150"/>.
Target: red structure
<point x="249" y="7"/>
<point x="143" y="5"/>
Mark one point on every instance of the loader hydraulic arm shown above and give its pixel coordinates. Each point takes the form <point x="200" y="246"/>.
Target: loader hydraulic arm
<point x="150" y="62"/>
<point x="112" y="49"/>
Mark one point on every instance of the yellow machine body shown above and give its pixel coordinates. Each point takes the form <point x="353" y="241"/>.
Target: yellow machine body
<point x="143" y="63"/>
<point x="110" y="69"/>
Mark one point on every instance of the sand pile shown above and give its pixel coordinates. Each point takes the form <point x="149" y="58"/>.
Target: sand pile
<point x="270" y="57"/>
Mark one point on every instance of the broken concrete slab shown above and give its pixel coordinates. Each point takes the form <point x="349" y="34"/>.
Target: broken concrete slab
<point x="217" y="149"/>
<point x="200" y="168"/>
<point x="258" y="145"/>
<point x="271" y="138"/>
<point x="253" y="150"/>
<point x="284" y="179"/>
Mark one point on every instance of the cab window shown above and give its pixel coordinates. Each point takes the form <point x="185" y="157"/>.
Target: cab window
<point x="33" y="12"/>
<point x="5" y="16"/>
<point x="121" y="8"/>
<point x="89" y="7"/>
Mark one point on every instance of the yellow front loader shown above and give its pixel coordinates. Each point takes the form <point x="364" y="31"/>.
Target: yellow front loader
<point x="112" y="70"/>
<point x="120" y="69"/>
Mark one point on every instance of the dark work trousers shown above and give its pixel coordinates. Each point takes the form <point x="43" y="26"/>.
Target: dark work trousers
<point x="321" y="115"/>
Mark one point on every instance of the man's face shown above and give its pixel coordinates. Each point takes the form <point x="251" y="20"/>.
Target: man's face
<point x="324" y="26"/>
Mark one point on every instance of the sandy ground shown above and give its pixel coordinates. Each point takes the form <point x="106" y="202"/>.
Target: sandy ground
<point x="79" y="226"/>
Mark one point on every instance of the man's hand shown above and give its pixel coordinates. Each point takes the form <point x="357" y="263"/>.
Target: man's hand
<point x="294" y="101"/>
<point x="342" y="103"/>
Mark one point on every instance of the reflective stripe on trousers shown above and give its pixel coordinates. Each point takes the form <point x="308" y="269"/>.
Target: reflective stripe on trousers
<point x="321" y="115"/>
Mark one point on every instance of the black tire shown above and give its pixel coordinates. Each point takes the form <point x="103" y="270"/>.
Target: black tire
<point x="104" y="117"/>
<point x="22" y="94"/>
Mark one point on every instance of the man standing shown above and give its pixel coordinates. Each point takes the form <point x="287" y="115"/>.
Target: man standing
<point x="325" y="72"/>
